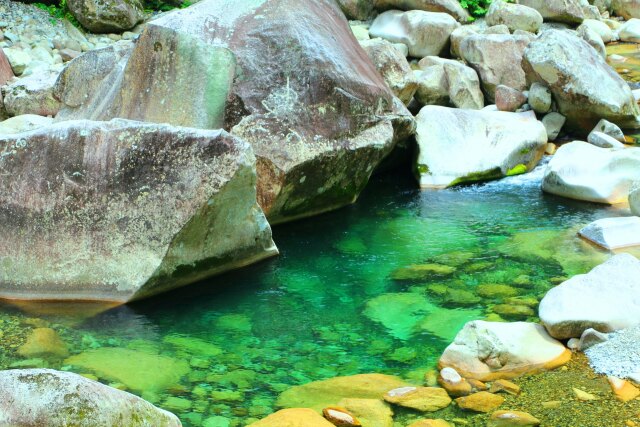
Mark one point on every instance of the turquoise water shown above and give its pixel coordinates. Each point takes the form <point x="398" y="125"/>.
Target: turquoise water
<point x="340" y="299"/>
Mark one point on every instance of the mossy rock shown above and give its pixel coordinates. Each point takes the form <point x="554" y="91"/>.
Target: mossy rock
<point x="455" y="259"/>
<point x="513" y="312"/>
<point x="529" y="301"/>
<point x="496" y="291"/>
<point x="460" y="298"/>
<point x="422" y="272"/>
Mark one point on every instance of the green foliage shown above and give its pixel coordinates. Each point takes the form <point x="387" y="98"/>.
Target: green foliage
<point x="165" y="5"/>
<point x="59" y="11"/>
<point x="477" y="8"/>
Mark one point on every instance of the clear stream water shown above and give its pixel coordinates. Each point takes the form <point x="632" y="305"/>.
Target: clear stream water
<point x="334" y="303"/>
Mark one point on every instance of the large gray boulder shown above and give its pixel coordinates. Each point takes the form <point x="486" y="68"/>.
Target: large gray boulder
<point x="514" y="16"/>
<point x="452" y="7"/>
<point x="582" y="171"/>
<point x="626" y="8"/>
<point x="567" y="11"/>
<point x="306" y="97"/>
<point x="122" y="210"/>
<point x="605" y="299"/>
<point x="496" y="58"/>
<point x="392" y="66"/>
<point x="424" y="33"/>
<point x="492" y="350"/>
<point x="48" y="398"/>
<point x="584" y="87"/>
<point x="457" y="146"/>
<point x="107" y="16"/>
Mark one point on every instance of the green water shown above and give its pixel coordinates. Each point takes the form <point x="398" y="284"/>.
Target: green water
<point x="328" y="306"/>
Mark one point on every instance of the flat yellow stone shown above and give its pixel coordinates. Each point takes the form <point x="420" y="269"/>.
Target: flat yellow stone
<point x="295" y="417"/>
<point x="425" y="399"/>
<point x="506" y="386"/>
<point x="430" y="423"/>
<point x="624" y="390"/>
<point x="43" y="342"/>
<point x="512" y="419"/>
<point x="482" y="401"/>
<point x="583" y="395"/>
<point x="370" y="412"/>
<point x="340" y="417"/>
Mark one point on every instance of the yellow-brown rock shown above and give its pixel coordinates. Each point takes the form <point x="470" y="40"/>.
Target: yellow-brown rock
<point x="340" y="417"/>
<point x="512" y="419"/>
<point x="425" y="399"/>
<point x="296" y="417"/>
<point x="483" y="401"/>
<point x="461" y="388"/>
<point x="624" y="390"/>
<point x="44" y="342"/>
<point x="506" y="386"/>
<point x="477" y="385"/>
<point x="370" y="412"/>
<point x="583" y="395"/>
<point x="320" y="394"/>
<point x="430" y="423"/>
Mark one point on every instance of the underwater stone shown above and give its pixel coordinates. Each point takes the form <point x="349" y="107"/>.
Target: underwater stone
<point x="43" y="342"/>
<point x="370" y="412"/>
<point x="139" y="371"/>
<point x="320" y="394"/>
<point x="481" y="401"/>
<point x="424" y="399"/>
<point x="296" y="417"/>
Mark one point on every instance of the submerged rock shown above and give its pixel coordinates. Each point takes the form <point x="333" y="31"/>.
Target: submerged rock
<point x="139" y="371"/>
<point x="485" y="145"/>
<point x="43" y="342"/>
<point x="584" y="87"/>
<point x="320" y="394"/>
<point x="45" y="397"/>
<point x="295" y="417"/>
<point x="306" y="97"/>
<point x="613" y="233"/>
<point x="606" y="299"/>
<point x="423" y="399"/>
<point x="512" y="419"/>
<point x="424" y="33"/>
<point x="482" y="401"/>
<point x="128" y="210"/>
<point x="494" y="350"/>
<point x="370" y="412"/>
<point x="582" y="171"/>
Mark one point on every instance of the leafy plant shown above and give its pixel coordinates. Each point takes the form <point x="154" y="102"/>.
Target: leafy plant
<point x="165" y="5"/>
<point x="478" y="8"/>
<point x="59" y="11"/>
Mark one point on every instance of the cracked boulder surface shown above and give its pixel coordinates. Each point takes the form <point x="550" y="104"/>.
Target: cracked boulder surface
<point x="120" y="210"/>
<point x="287" y="76"/>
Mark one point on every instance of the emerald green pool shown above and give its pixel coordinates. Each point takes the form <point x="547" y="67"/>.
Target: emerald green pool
<point x="334" y="303"/>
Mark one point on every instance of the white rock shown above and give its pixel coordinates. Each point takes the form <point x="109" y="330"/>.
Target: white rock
<point x="490" y="350"/>
<point x="630" y="31"/>
<point x="591" y="337"/>
<point x="450" y="375"/>
<point x="582" y="171"/>
<point x="456" y="146"/>
<point x="613" y="233"/>
<point x="600" y="28"/>
<point x="610" y="129"/>
<point x="461" y="82"/>
<point x="18" y="59"/>
<point x="553" y="123"/>
<point x="584" y="87"/>
<point x="32" y="95"/>
<point x="425" y="33"/>
<point x="23" y="123"/>
<point x="540" y="98"/>
<point x="566" y="11"/>
<point x="634" y="198"/>
<point x="514" y="16"/>
<point x="603" y="140"/>
<point x="606" y="299"/>
<point x="452" y="7"/>
<point x="594" y="40"/>
<point x="496" y="58"/>
<point x="44" y="397"/>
